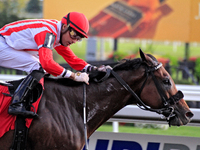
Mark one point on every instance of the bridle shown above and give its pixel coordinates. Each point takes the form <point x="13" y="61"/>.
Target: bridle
<point x="168" y="110"/>
<point x="168" y="103"/>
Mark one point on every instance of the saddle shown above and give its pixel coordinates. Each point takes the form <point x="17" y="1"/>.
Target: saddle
<point x="21" y="130"/>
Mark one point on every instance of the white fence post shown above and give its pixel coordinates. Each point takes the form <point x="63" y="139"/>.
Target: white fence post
<point x="115" y="126"/>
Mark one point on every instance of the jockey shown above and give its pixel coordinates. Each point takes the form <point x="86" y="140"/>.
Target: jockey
<point x="27" y="45"/>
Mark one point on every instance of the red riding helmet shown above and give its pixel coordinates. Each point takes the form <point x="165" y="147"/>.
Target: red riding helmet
<point x="77" y="21"/>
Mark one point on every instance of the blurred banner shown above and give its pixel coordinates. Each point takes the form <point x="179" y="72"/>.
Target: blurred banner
<point x="175" y="20"/>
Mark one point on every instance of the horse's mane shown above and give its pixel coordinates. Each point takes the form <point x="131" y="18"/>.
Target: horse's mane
<point x="128" y="64"/>
<point x="125" y="64"/>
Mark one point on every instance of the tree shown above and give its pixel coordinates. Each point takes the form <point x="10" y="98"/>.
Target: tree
<point x="33" y="6"/>
<point x="8" y="13"/>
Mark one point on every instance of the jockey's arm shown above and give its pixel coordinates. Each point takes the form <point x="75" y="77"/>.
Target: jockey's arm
<point x="47" y="62"/>
<point x="47" y="40"/>
<point x="49" y="65"/>
<point x="69" y="56"/>
<point x="77" y="63"/>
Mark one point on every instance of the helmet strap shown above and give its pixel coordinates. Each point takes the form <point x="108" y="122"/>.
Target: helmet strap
<point x="63" y="32"/>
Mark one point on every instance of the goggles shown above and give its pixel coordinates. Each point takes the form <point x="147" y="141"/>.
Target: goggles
<point x="75" y="35"/>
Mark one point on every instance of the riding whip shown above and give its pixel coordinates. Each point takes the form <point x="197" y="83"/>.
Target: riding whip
<point x="84" y="116"/>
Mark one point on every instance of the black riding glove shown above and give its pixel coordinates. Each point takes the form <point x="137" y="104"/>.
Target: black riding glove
<point x="101" y="68"/>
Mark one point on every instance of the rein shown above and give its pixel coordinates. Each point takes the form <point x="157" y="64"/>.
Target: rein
<point x="168" y="110"/>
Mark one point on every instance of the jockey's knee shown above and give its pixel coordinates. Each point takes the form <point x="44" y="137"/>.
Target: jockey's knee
<point x="35" y="66"/>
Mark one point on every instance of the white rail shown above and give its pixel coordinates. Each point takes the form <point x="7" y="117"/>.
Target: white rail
<point x="5" y="77"/>
<point x="134" y="114"/>
<point x="191" y="92"/>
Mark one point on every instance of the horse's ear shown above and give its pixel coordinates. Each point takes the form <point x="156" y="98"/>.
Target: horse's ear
<point x="149" y="61"/>
<point x="142" y="55"/>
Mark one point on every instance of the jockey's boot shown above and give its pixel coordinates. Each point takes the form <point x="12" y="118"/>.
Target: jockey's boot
<point x="17" y="106"/>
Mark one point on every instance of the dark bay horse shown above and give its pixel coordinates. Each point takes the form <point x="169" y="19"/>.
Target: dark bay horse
<point x="60" y="123"/>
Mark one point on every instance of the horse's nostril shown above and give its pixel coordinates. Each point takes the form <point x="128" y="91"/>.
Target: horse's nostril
<point x="189" y="114"/>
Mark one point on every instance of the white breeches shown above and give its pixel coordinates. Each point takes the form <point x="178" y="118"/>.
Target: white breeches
<point x="18" y="59"/>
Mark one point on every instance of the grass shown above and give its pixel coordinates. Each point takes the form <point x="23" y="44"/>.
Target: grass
<point x="188" y="131"/>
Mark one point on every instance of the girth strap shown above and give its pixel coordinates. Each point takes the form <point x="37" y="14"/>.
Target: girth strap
<point x="20" y="134"/>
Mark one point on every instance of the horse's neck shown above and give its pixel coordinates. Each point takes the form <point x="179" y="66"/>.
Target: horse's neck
<point x="108" y="98"/>
<point x="103" y="101"/>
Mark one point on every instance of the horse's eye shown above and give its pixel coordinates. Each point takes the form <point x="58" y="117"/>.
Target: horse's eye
<point x="167" y="82"/>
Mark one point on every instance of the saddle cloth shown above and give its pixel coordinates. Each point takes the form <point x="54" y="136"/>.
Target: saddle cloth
<point x="7" y="122"/>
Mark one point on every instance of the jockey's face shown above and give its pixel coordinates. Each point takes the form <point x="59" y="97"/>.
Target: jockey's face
<point x="66" y="38"/>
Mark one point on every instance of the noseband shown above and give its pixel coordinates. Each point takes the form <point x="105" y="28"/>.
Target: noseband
<point x="168" y="103"/>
